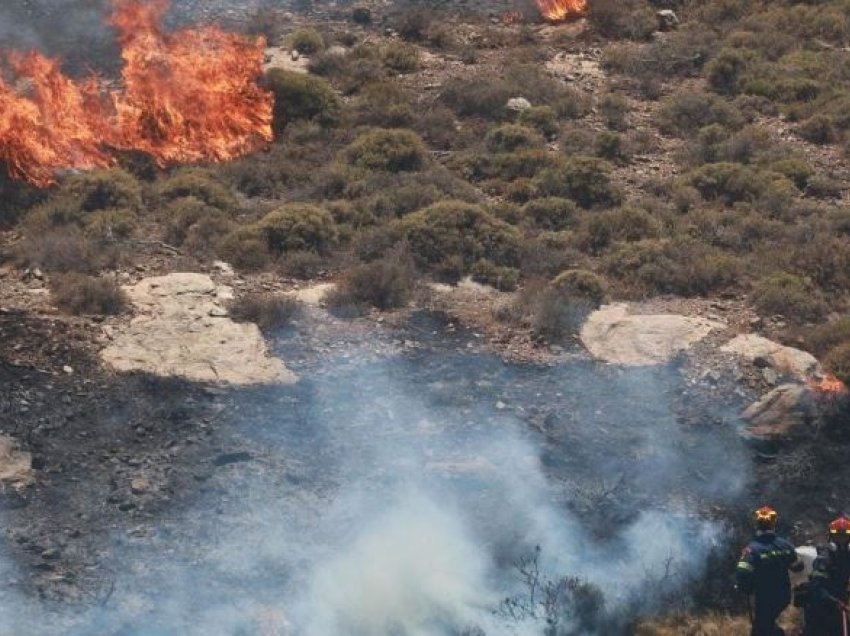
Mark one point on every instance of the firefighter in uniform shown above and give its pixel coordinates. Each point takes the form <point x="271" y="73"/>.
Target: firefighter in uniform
<point x="826" y="611"/>
<point x="762" y="573"/>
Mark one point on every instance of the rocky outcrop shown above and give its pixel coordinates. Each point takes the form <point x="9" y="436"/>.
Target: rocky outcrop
<point x="613" y="335"/>
<point x="15" y="465"/>
<point x="783" y="413"/>
<point x="767" y="353"/>
<point x="181" y="328"/>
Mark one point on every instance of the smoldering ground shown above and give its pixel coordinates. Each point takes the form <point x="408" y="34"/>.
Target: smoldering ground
<point x="396" y="496"/>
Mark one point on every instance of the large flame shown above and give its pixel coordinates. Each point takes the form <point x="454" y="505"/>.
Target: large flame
<point x="560" y="10"/>
<point x="827" y="385"/>
<point x="186" y="96"/>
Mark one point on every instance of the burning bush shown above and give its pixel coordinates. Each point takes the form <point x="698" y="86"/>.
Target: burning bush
<point x="551" y="213"/>
<point x="586" y="180"/>
<point x="393" y="150"/>
<point x="267" y="311"/>
<point x="298" y="227"/>
<point x="789" y="295"/>
<point x="386" y="283"/>
<point x="462" y="230"/>
<point x="81" y="294"/>
<point x="300" y="96"/>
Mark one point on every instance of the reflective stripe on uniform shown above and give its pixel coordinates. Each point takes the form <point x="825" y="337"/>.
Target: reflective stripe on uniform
<point x="743" y="565"/>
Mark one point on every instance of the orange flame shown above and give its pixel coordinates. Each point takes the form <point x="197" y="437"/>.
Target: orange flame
<point x="827" y="385"/>
<point x="187" y="96"/>
<point x="561" y="10"/>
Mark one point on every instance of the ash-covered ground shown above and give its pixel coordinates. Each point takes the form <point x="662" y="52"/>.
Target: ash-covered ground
<point x="382" y="494"/>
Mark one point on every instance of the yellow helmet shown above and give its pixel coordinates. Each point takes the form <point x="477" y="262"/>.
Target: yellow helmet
<point x="765" y="518"/>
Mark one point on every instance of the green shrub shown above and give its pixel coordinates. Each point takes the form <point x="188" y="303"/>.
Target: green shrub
<point x="511" y="137"/>
<point x="198" y="183"/>
<point x="724" y="71"/>
<point x="400" y="57"/>
<point x="113" y="224"/>
<point x="614" y="109"/>
<point x="384" y="104"/>
<point x="610" y="226"/>
<point x="825" y="337"/>
<point x="298" y="227"/>
<point x="245" y="249"/>
<point x="817" y="129"/>
<point x="788" y="295"/>
<point x="306" y="41"/>
<point x="548" y="254"/>
<point x="687" y="111"/>
<point x="300" y="264"/>
<point x="384" y="284"/>
<point x="393" y="150"/>
<point x="551" y="213"/>
<point x="299" y="96"/>
<point x="559" y="309"/>
<point x="732" y="183"/>
<point x="502" y="278"/>
<point x="795" y="169"/>
<point x="80" y="294"/>
<point x="611" y="146"/>
<point x="267" y="311"/>
<point x="629" y="19"/>
<point x="581" y="283"/>
<point x="543" y="119"/>
<point x="104" y="190"/>
<point x="181" y="214"/>
<point x="458" y="229"/>
<point x="822" y="186"/>
<point x="838" y="362"/>
<point x="586" y="180"/>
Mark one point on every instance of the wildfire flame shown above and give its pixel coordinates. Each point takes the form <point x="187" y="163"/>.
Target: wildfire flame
<point x="827" y="385"/>
<point x="186" y="96"/>
<point x="560" y="10"/>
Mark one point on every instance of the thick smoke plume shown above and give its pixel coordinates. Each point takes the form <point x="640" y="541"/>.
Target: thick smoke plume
<point x="395" y="498"/>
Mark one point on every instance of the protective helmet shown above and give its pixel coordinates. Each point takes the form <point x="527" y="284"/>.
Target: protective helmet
<point x="839" y="530"/>
<point x="765" y="518"/>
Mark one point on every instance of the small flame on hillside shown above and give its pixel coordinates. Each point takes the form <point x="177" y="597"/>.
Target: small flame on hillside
<point x="827" y="385"/>
<point x="561" y="10"/>
<point x="187" y="96"/>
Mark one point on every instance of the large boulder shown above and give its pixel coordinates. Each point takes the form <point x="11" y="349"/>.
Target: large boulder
<point x="613" y="335"/>
<point x="761" y="351"/>
<point x="788" y="411"/>
<point x="181" y="328"/>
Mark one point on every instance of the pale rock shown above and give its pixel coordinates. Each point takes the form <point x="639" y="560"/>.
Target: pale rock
<point x="787" y="360"/>
<point x="785" y="411"/>
<point x="15" y="465"/>
<point x="613" y="335"/>
<point x="518" y="104"/>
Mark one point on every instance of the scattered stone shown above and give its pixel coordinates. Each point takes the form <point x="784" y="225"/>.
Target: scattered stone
<point x="761" y="351"/>
<point x="667" y="20"/>
<point x="140" y="485"/>
<point x="68" y="369"/>
<point x="225" y="269"/>
<point x="613" y="335"/>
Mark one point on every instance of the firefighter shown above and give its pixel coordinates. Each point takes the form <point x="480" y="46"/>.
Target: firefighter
<point x="826" y="610"/>
<point x="762" y="573"/>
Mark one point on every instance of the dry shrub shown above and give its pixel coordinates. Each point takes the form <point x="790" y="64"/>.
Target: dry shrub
<point x="585" y="180"/>
<point x="298" y="96"/>
<point x="268" y="311"/>
<point x="789" y="295"/>
<point x="711" y="625"/>
<point x="400" y="57"/>
<point x="511" y="137"/>
<point x="838" y="362"/>
<point x="501" y="278"/>
<point x="393" y="150"/>
<point x="550" y="213"/>
<point x="301" y="264"/>
<point x="297" y="227"/>
<point x="610" y="226"/>
<point x="560" y="308"/>
<point x="628" y="19"/>
<point x="687" y="111"/>
<point x="79" y="294"/>
<point x="198" y="183"/>
<point x="384" y="103"/>
<point x="306" y="41"/>
<point x="825" y="337"/>
<point x="64" y="250"/>
<point x="386" y="283"/>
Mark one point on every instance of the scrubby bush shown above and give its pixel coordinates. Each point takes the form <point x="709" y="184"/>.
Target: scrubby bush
<point x="724" y="71"/>
<point x="614" y="109"/>
<point x="62" y="250"/>
<point x="457" y="229"/>
<point x="384" y="104"/>
<point x="80" y="294"/>
<point x="551" y="213"/>
<point x="245" y="249"/>
<point x="306" y="41"/>
<point x="392" y="150"/>
<point x="629" y="19"/>
<point x="267" y="311"/>
<point x="825" y="337"/>
<point x="788" y="295"/>
<point x="198" y="183"/>
<point x="817" y="129"/>
<point x="581" y="283"/>
<point x="400" y="57"/>
<point x="586" y="180"/>
<point x="112" y="224"/>
<point x="623" y="224"/>
<point x="301" y="264"/>
<point x="611" y="146"/>
<point x="297" y="227"/>
<point x="511" y="137"/>
<point x="687" y="111"/>
<point x="543" y="119"/>
<point x="414" y="23"/>
<point x="300" y="96"/>
<point x="560" y="308"/>
<point x="502" y="278"/>
<point x="838" y="362"/>
<point x="183" y="213"/>
<point x="386" y="283"/>
<point x="104" y="189"/>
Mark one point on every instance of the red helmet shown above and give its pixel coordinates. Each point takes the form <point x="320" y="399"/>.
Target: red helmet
<point x="840" y="528"/>
<point x="765" y="518"/>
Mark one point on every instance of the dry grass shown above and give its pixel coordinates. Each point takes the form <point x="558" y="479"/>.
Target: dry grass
<point x="711" y="625"/>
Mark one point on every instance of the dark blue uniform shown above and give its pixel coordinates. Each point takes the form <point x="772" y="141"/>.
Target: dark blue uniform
<point x="763" y="572"/>
<point x="828" y="588"/>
